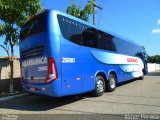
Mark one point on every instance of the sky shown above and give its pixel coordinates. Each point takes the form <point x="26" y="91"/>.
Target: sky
<point x="137" y="20"/>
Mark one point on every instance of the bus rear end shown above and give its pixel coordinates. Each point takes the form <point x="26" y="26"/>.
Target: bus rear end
<point x="39" y="52"/>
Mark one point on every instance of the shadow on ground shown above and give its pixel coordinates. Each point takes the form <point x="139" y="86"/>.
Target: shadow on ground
<point x="38" y="103"/>
<point x="154" y="74"/>
<point x="44" y="103"/>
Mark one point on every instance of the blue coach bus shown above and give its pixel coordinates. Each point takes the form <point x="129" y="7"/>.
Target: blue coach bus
<point x="62" y="55"/>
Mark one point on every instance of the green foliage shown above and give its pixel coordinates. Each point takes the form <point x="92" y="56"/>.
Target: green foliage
<point x="83" y="14"/>
<point x="154" y="59"/>
<point x="13" y="14"/>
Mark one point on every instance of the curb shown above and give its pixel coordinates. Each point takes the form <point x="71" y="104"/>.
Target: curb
<point x="11" y="97"/>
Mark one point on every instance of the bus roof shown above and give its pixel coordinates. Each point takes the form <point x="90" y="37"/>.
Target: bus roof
<point x="91" y="25"/>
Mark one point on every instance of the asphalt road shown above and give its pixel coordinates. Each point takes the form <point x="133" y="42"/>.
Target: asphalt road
<point x="134" y="97"/>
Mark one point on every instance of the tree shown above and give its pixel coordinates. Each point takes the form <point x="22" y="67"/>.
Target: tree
<point x="83" y="14"/>
<point x="154" y="59"/>
<point x="13" y="14"/>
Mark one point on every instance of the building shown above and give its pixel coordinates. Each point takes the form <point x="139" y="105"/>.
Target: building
<point x="5" y="74"/>
<point x="5" y="68"/>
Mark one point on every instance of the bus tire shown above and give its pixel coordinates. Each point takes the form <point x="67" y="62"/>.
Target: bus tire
<point x="111" y="83"/>
<point x="100" y="86"/>
<point x="142" y="77"/>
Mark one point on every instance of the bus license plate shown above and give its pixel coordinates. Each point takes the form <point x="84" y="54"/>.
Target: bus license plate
<point x="32" y="89"/>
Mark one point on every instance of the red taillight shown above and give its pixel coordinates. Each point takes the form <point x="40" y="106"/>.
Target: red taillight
<point x="52" y="71"/>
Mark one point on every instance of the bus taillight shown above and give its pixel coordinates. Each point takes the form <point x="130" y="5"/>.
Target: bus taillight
<point x="52" y="71"/>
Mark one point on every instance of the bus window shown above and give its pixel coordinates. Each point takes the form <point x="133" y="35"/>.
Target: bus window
<point x="76" y="33"/>
<point x="71" y="30"/>
<point x="36" y="25"/>
<point x="106" y="42"/>
<point x="90" y="38"/>
<point x="64" y="26"/>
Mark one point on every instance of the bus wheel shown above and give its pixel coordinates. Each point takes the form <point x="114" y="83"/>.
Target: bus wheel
<point x="142" y="77"/>
<point x="100" y="86"/>
<point x="111" y="83"/>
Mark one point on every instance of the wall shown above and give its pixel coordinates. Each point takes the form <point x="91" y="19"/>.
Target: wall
<point x="5" y="74"/>
<point x="4" y="85"/>
<point x="157" y="67"/>
<point x="152" y="67"/>
<point x="5" y="68"/>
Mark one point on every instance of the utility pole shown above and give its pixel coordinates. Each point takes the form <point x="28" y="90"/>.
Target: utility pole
<point x="94" y="14"/>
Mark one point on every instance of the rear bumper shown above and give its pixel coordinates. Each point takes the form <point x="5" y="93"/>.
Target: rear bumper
<point x="52" y="89"/>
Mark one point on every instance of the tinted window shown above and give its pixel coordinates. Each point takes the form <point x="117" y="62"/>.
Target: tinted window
<point x="36" y="25"/>
<point x="76" y="32"/>
<point x="106" y="42"/>
<point x="128" y="48"/>
<point x="90" y="38"/>
<point x="64" y="26"/>
<point x="71" y="30"/>
<point x="142" y="53"/>
<point x="81" y="34"/>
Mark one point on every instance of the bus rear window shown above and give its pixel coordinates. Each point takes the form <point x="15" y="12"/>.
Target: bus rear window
<point x="36" y="25"/>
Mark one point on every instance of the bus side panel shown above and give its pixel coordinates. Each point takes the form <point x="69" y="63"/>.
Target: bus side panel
<point x="106" y="69"/>
<point x="71" y="68"/>
<point x="130" y="67"/>
<point x="119" y="74"/>
<point x="71" y="79"/>
<point x="88" y="83"/>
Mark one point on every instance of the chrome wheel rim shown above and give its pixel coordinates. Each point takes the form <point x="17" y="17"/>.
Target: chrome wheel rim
<point x="112" y="83"/>
<point x="100" y="86"/>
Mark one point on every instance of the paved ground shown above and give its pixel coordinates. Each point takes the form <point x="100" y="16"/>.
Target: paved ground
<point x="135" y="97"/>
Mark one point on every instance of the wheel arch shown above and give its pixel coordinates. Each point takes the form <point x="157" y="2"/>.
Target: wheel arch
<point x="98" y="77"/>
<point x="102" y="73"/>
<point x="113" y="72"/>
<point x="105" y="75"/>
